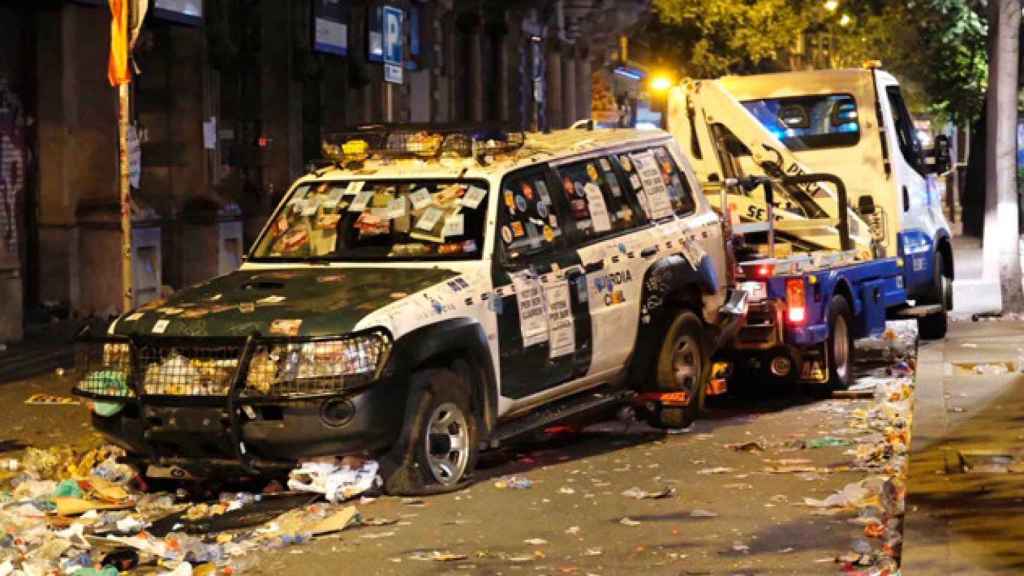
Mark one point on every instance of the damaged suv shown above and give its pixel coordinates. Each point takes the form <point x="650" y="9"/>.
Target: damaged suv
<point x="427" y="296"/>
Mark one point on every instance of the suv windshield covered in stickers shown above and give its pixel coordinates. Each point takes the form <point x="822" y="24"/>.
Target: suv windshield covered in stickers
<point x="417" y="306"/>
<point x="377" y="220"/>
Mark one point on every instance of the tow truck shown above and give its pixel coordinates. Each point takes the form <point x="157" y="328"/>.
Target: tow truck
<point x="819" y="273"/>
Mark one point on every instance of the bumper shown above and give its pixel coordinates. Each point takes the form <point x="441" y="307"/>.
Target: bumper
<point x="237" y="430"/>
<point x="269" y="435"/>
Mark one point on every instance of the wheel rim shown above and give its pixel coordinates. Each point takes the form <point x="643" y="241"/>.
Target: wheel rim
<point x="841" y="347"/>
<point x="686" y="364"/>
<point x="447" y="444"/>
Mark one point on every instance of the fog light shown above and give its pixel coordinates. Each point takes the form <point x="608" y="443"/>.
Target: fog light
<point x="336" y="413"/>
<point x="781" y="365"/>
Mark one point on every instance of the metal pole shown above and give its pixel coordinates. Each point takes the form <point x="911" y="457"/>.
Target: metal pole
<point x="123" y="118"/>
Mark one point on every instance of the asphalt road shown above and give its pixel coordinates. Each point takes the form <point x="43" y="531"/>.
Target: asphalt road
<point x="727" y="514"/>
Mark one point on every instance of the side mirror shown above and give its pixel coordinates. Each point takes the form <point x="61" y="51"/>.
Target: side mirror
<point x="940" y="154"/>
<point x="866" y="205"/>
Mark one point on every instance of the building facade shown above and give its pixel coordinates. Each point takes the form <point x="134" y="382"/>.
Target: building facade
<point x="229" y="106"/>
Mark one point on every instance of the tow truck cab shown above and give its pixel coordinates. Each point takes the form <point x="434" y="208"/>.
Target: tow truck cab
<point x="855" y="124"/>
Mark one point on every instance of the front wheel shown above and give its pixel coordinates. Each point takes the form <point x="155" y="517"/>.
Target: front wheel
<point x="934" y="327"/>
<point x="437" y="448"/>
<point x="681" y="367"/>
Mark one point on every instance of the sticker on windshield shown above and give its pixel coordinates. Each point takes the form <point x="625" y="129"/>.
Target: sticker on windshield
<point x="598" y="209"/>
<point x="430" y="218"/>
<point x="592" y="173"/>
<point x="420" y="199"/>
<point x="361" y="201"/>
<point x="454" y="225"/>
<point x="521" y="203"/>
<point x="397" y="208"/>
<point x="161" y="326"/>
<point x="606" y="165"/>
<point x="310" y="208"/>
<point x="474" y="196"/>
<point x="659" y="204"/>
<point x="506" y="234"/>
<point x="354" y="187"/>
<point x="542" y="191"/>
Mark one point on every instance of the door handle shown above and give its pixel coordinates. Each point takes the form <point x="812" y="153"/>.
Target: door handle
<point x="906" y="199"/>
<point x="648" y="252"/>
<point x="594" y="266"/>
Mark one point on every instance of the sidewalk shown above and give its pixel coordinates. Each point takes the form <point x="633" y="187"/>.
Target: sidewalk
<point x="965" y="510"/>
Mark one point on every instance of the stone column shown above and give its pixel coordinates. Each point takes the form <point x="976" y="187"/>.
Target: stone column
<point x="569" y="87"/>
<point x="553" y="97"/>
<point x="583" y="83"/>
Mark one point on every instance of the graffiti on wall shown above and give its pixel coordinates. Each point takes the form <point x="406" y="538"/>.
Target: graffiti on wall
<point x="13" y="165"/>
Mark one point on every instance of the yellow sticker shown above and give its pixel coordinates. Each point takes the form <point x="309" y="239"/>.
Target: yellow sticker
<point x="592" y="172"/>
<point x="549" y="233"/>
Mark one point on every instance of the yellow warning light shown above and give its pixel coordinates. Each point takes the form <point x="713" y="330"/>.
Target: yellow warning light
<point x="870" y="64"/>
<point x="660" y="82"/>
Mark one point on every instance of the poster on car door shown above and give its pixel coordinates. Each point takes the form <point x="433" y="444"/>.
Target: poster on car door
<point x="562" y="331"/>
<point x="533" y="319"/>
<point x="655" y="198"/>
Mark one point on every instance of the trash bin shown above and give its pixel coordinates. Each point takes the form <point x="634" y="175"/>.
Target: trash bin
<point x="212" y="240"/>
<point x="100" y="258"/>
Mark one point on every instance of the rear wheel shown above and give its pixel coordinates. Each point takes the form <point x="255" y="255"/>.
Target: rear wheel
<point x="681" y="367"/>
<point x="934" y="327"/>
<point x="437" y="448"/>
<point x="840" y="344"/>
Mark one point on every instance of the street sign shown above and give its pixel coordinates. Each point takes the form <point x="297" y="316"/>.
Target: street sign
<point x="393" y="49"/>
<point x="330" y="27"/>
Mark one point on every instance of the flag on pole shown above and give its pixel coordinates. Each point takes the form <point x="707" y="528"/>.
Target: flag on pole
<point x="125" y="27"/>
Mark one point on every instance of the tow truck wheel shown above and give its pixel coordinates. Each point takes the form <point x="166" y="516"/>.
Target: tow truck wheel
<point x="840" y="345"/>
<point x="681" y="367"/>
<point x="437" y="448"/>
<point x="934" y="327"/>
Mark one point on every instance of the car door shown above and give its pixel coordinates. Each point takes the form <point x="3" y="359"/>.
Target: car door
<point x="606" y="228"/>
<point x="917" y="232"/>
<point x="540" y="297"/>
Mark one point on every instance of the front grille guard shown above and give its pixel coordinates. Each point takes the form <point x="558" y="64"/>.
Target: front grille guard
<point x="121" y="377"/>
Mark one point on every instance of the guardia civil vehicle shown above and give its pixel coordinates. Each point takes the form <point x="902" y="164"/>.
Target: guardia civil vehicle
<point x="429" y="294"/>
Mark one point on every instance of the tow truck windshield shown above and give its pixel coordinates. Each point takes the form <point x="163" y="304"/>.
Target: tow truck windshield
<point x="377" y="220"/>
<point x="809" y="122"/>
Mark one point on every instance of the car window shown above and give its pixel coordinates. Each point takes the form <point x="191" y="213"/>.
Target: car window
<point x="529" y="221"/>
<point x="657" y="186"/>
<point x="597" y="203"/>
<point x="809" y="122"/>
<point x="678" y="188"/>
<point x="904" y="125"/>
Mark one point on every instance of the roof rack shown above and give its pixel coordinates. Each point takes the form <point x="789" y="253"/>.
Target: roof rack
<point x="421" y="141"/>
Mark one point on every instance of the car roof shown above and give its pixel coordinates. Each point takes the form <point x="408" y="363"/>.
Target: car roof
<point x="799" y="83"/>
<point x="538" y="147"/>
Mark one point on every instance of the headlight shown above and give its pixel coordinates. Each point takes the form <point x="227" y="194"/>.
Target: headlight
<point x="116" y="354"/>
<point x="314" y="367"/>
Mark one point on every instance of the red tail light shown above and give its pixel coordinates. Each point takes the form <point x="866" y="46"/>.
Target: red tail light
<point x="762" y="271"/>
<point x="796" y="301"/>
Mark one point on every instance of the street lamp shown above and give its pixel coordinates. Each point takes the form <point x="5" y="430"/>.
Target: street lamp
<point x="845" y="20"/>
<point x="831" y="5"/>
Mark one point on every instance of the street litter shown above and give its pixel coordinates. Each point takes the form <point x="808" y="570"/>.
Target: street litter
<point x="827" y="441"/>
<point x="699" y="513"/>
<point x="336" y="481"/>
<point x="638" y="494"/>
<point x="627" y="521"/>
<point x="514" y="482"/>
<point x="50" y="400"/>
<point x="535" y="541"/>
<point x="437" y="556"/>
<point x="716" y="470"/>
<point x="746" y="447"/>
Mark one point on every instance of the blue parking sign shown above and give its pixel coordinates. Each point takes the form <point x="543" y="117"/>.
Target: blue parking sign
<point x="393" y="35"/>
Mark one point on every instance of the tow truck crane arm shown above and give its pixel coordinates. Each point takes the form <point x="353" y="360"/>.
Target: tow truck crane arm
<point x="722" y="136"/>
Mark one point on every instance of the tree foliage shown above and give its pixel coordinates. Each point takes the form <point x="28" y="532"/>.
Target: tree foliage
<point x="938" y="47"/>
